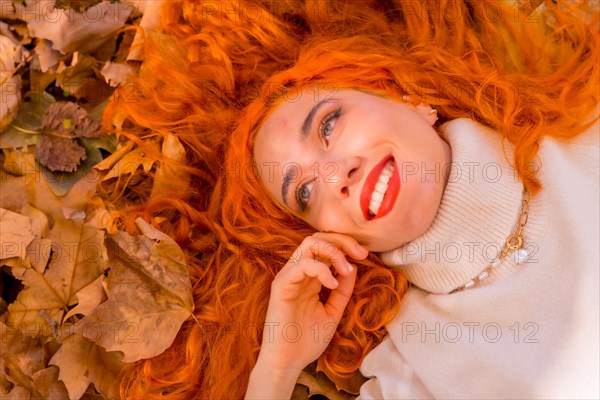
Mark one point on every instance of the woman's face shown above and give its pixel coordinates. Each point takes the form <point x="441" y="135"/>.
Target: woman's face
<point x="355" y="163"/>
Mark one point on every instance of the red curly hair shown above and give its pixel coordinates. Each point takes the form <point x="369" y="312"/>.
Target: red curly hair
<point x="219" y="69"/>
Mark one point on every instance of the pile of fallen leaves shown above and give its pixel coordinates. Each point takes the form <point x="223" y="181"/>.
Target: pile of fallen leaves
<point x="79" y="298"/>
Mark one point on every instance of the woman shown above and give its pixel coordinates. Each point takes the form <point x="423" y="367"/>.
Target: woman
<point x="352" y="95"/>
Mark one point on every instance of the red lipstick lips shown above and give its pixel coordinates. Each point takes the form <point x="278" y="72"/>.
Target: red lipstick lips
<point x="391" y="193"/>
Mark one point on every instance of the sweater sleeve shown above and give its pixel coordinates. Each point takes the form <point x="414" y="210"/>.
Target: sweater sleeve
<point x="392" y="378"/>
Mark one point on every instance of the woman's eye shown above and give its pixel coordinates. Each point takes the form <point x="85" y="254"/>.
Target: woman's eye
<point x="327" y="125"/>
<point x="303" y="195"/>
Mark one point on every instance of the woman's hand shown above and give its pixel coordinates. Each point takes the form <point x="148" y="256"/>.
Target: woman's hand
<point x="298" y="327"/>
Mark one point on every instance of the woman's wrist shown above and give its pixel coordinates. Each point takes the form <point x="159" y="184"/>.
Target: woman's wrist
<point x="268" y="382"/>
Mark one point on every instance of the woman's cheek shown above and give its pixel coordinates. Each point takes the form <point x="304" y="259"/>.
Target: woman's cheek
<point x="328" y="219"/>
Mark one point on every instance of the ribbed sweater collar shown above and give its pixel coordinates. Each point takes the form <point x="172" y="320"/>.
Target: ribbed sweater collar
<point x="479" y="209"/>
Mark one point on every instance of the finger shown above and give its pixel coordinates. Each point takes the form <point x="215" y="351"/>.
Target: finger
<point x="339" y="297"/>
<point x="328" y="252"/>
<point x="312" y="269"/>
<point x="316" y="250"/>
<point x="346" y="243"/>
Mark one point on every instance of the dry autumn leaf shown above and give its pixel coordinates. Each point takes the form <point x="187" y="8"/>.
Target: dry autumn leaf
<point x="144" y="156"/>
<point x="88" y="298"/>
<point x="81" y="362"/>
<point x="24" y="176"/>
<point x="26" y="128"/>
<point x="76" y="262"/>
<point x="82" y="79"/>
<point x="319" y="384"/>
<point x="16" y="234"/>
<point x="47" y="57"/>
<point x="23" y="368"/>
<point x="58" y="148"/>
<point x="169" y="177"/>
<point x="11" y="57"/>
<point x="116" y="74"/>
<point x="350" y="385"/>
<point x="150" y="23"/>
<point x="60" y="255"/>
<point x="71" y="31"/>
<point x="149" y="295"/>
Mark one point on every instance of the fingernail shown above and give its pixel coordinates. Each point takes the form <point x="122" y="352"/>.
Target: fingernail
<point x="363" y="249"/>
<point x="349" y="266"/>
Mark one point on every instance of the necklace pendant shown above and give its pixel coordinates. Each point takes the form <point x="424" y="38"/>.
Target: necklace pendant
<point x="521" y="255"/>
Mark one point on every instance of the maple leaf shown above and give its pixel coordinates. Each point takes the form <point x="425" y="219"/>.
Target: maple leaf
<point x="89" y="298"/>
<point x="76" y="262"/>
<point x="16" y="234"/>
<point x="81" y="362"/>
<point x="149" y="291"/>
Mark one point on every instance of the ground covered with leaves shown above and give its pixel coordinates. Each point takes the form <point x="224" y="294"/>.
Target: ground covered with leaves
<point x="79" y="298"/>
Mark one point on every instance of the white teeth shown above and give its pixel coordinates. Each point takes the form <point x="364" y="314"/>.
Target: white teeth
<point x="377" y="196"/>
<point x="380" y="188"/>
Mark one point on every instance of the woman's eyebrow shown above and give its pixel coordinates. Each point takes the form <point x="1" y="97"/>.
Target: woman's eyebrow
<point x="310" y="117"/>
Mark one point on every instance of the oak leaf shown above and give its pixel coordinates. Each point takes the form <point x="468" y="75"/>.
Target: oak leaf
<point x="149" y="295"/>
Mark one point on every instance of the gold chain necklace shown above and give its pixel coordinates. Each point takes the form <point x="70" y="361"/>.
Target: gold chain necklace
<point x="514" y="242"/>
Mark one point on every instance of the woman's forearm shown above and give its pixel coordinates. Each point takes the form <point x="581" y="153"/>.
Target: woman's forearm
<point x="267" y="383"/>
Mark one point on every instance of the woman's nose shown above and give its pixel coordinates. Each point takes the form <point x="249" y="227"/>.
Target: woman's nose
<point x="343" y="175"/>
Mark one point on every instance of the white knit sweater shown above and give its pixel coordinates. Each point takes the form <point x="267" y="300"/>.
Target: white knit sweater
<point x="529" y="330"/>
